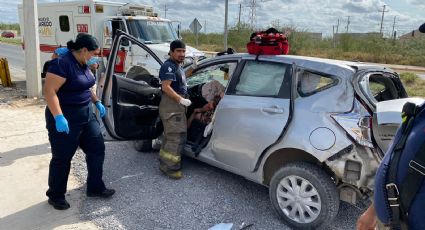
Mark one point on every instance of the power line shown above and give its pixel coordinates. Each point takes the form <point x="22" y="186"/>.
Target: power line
<point x="253" y="5"/>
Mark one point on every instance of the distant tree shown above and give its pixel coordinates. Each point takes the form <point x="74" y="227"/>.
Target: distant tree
<point x="10" y="26"/>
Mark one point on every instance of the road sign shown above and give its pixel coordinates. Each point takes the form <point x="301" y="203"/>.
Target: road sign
<point x="195" y="26"/>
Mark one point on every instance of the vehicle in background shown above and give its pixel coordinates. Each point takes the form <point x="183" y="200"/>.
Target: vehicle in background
<point x="7" y="34"/>
<point x="310" y="129"/>
<point x="60" y="22"/>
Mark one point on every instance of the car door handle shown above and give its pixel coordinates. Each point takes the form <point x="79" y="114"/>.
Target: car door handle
<point x="272" y="110"/>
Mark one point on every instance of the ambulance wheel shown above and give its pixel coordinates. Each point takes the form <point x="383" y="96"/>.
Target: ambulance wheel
<point x="143" y="145"/>
<point x="304" y="195"/>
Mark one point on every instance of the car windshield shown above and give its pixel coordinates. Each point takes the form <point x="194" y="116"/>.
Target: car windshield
<point x="152" y="31"/>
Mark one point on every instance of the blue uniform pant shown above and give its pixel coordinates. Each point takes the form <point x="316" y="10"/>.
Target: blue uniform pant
<point x="84" y="132"/>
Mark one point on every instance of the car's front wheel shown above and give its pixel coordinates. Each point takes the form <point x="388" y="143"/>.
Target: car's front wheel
<point x="304" y="195"/>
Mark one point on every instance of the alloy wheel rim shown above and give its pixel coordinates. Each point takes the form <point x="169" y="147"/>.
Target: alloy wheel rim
<point x="298" y="199"/>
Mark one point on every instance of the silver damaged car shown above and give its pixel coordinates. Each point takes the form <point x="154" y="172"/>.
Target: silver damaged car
<point x="307" y="128"/>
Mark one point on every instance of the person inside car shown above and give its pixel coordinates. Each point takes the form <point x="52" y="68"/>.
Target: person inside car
<point x="204" y="114"/>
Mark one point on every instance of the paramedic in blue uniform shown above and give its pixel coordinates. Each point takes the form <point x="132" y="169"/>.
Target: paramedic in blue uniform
<point x="416" y="218"/>
<point x="71" y="122"/>
<point x="172" y="110"/>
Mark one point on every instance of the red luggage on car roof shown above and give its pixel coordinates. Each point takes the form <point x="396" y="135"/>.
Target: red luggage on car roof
<point x="269" y="42"/>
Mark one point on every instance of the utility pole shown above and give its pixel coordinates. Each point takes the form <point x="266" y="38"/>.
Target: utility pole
<point x="239" y="18"/>
<point x="337" y="26"/>
<point x="165" y="10"/>
<point x="392" y="32"/>
<point x="32" y="50"/>
<point x="205" y="26"/>
<point x="348" y="23"/>
<point x="226" y="7"/>
<point x="253" y="5"/>
<point x="382" y="19"/>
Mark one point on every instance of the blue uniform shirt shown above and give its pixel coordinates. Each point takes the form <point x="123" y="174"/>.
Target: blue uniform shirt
<point x="79" y="80"/>
<point x="413" y="143"/>
<point x="172" y="71"/>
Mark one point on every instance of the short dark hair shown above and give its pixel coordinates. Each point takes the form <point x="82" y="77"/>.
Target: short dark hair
<point x="177" y="44"/>
<point x="83" y="40"/>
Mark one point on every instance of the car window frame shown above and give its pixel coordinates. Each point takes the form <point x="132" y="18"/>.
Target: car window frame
<point x="321" y="89"/>
<point x="285" y="94"/>
<point x="368" y="93"/>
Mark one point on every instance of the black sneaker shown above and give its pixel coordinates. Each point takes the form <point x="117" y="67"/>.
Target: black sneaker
<point x="104" y="194"/>
<point x="59" y="204"/>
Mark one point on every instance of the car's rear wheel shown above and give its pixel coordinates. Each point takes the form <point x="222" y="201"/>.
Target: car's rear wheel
<point x="304" y="195"/>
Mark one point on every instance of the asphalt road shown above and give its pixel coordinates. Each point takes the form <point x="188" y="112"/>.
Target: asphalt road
<point x="206" y="196"/>
<point x="14" y="54"/>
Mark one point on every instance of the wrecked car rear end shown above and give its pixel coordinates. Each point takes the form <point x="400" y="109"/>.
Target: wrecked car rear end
<point x="355" y="166"/>
<point x="334" y="122"/>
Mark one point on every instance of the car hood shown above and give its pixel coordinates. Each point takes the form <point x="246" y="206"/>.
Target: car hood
<point x="389" y="112"/>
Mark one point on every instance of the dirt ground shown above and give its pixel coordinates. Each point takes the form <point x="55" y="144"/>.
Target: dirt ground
<point x="24" y="161"/>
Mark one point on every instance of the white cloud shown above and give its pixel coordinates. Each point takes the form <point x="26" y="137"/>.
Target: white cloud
<point x="310" y="15"/>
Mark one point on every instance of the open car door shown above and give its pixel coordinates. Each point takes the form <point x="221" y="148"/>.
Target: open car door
<point x="131" y="92"/>
<point x="388" y="119"/>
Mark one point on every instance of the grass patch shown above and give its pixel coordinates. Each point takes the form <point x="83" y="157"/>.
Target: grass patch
<point x="409" y="78"/>
<point x="13" y="41"/>
<point x="415" y="86"/>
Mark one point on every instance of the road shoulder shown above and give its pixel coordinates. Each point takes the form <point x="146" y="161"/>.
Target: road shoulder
<point x="24" y="162"/>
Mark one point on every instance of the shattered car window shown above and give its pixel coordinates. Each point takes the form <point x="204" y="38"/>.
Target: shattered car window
<point x="220" y="72"/>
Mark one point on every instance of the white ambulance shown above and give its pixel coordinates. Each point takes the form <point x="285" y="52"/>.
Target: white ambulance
<point x="60" y="22"/>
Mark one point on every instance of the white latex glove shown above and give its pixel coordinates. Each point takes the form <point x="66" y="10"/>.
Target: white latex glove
<point x="185" y="102"/>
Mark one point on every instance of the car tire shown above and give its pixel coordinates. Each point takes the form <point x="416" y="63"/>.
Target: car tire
<point x="314" y="198"/>
<point x="143" y="145"/>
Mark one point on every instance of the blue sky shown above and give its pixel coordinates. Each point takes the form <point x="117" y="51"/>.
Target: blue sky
<point x="305" y="15"/>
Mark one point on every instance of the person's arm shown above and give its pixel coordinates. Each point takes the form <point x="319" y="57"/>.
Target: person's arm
<point x="98" y="103"/>
<point x="169" y="91"/>
<point x="368" y="220"/>
<point x="93" y="97"/>
<point x="51" y="86"/>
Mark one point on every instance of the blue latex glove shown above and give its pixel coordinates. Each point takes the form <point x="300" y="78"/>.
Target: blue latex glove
<point x="61" y="51"/>
<point x="101" y="108"/>
<point x="61" y="124"/>
<point x="92" y="60"/>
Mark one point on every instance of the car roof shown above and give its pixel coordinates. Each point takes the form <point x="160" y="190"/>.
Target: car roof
<point x="340" y="68"/>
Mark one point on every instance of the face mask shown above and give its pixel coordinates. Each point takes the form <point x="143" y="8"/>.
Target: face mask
<point x="92" y="60"/>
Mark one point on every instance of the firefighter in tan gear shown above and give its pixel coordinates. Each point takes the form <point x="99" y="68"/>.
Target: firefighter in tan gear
<point x="172" y="110"/>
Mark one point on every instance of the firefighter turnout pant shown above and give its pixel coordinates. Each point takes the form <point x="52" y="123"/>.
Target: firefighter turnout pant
<point x="173" y="116"/>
